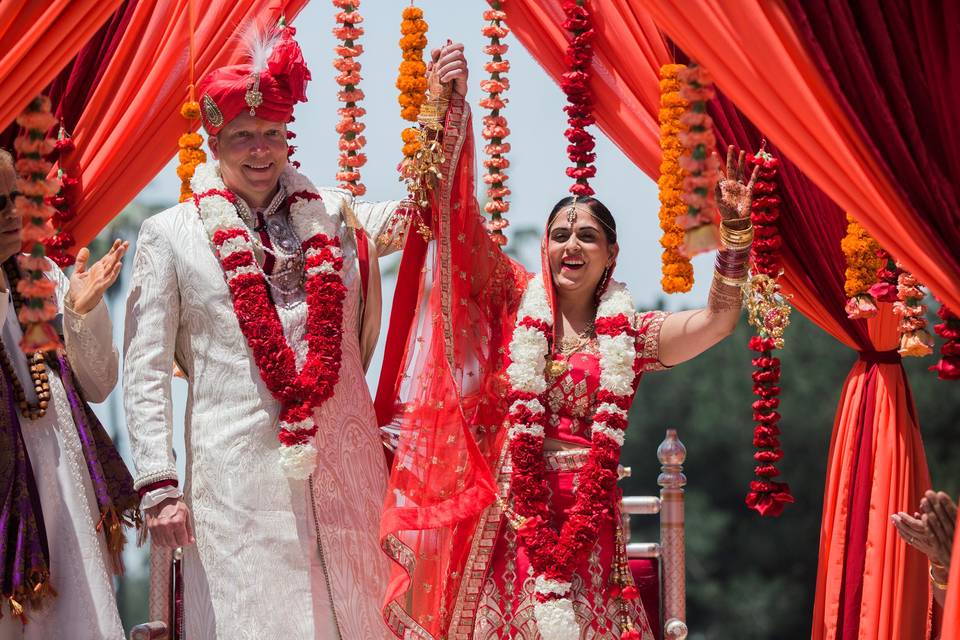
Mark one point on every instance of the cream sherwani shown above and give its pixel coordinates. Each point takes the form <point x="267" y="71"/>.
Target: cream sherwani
<point x="275" y="558"/>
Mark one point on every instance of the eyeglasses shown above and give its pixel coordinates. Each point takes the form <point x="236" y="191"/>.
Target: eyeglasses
<point x="8" y="198"/>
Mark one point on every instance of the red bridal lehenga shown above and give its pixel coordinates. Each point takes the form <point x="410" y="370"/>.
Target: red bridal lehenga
<point x="461" y="572"/>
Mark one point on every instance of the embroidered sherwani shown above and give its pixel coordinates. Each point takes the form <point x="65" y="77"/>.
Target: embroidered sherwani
<point x="274" y="557"/>
<point x="80" y="568"/>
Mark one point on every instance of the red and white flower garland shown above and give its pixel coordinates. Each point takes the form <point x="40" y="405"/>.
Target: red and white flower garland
<point x="576" y="85"/>
<point x="495" y="129"/>
<point x="299" y="393"/>
<point x="556" y="554"/>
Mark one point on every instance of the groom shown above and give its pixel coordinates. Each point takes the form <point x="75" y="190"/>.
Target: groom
<point x="264" y="293"/>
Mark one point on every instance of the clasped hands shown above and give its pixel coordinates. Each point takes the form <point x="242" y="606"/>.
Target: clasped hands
<point x="931" y="530"/>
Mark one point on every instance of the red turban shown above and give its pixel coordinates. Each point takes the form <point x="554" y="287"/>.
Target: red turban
<point x="268" y="85"/>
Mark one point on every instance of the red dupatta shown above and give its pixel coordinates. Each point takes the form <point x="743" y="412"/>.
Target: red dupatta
<point x="451" y="398"/>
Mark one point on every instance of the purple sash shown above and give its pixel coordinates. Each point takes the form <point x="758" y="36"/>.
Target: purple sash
<point x="23" y="542"/>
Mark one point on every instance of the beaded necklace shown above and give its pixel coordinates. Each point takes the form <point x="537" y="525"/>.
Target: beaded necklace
<point x="38" y="366"/>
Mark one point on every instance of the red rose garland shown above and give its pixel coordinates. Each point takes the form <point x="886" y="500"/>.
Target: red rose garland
<point x="576" y="85"/>
<point x="298" y="393"/>
<point x="349" y="127"/>
<point x="58" y="245"/>
<point x="495" y="129"/>
<point x="554" y="554"/>
<point x="767" y="496"/>
<point x="949" y="366"/>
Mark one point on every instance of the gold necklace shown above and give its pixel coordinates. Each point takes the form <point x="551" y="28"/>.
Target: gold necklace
<point x="558" y="364"/>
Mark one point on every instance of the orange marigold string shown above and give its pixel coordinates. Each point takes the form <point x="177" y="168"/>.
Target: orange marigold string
<point x="412" y="81"/>
<point x="349" y="127"/>
<point x="677" y="270"/>
<point x="495" y="129"/>
<point x="861" y="253"/>
<point x="699" y="163"/>
<point x="191" y="153"/>
<point x="38" y="291"/>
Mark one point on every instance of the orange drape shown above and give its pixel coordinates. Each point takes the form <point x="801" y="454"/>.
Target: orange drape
<point x="756" y="58"/>
<point x="895" y="595"/>
<point x="628" y="95"/>
<point x="39" y="38"/>
<point x="951" y="609"/>
<point x="129" y="129"/>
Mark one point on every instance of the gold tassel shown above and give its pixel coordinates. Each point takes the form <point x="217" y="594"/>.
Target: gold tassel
<point x="113" y="530"/>
<point x="17" y="610"/>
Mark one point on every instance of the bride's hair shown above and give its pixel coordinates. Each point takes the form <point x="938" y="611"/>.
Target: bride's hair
<point x="596" y="208"/>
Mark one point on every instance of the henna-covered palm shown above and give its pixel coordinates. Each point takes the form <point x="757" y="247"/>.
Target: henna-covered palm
<point x="732" y="193"/>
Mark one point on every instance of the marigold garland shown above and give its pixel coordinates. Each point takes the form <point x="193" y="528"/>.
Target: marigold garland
<point x="349" y="127"/>
<point x="191" y="153"/>
<point x="948" y="368"/>
<point x="575" y="83"/>
<point x="915" y="340"/>
<point x="769" y="313"/>
<point x="495" y="129"/>
<point x="699" y="163"/>
<point x="677" y="270"/>
<point x="412" y="81"/>
<point x="38" y="291"/>
<point x="861" y="253"/>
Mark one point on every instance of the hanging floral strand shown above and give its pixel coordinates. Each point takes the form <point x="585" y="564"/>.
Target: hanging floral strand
<point x="699" y="163"/>
<point x="58" y="245"/>
<point x="915" y="340"/>
<point x="495" y="129"/>
<point x="863" y="261"/>
<point x="349" y="127"/>
<point x="948" y="368"/>
<point x="190" y="143"/>
<point x="769" y="313"/>
<point x="575" y="83"/>
<point x="38" y="291"/>
<point x="412" y="81"/>
<point x="677" y="270"/>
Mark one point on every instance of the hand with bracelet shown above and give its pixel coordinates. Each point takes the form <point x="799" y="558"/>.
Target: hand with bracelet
<point x="688" y="333"/>
<point x="930" y="531"/>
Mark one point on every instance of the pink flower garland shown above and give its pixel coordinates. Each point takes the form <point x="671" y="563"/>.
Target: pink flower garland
<point x="495" y="129"/>
<point x="697" y="160"/>
<point x="576" y="85"/>
<point x="915" y="340"/>
<point x="38" y="291"/>
<point x="349" y="127"/>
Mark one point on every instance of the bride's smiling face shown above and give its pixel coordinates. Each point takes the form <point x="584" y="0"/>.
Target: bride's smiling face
<point x="578" y="251"/>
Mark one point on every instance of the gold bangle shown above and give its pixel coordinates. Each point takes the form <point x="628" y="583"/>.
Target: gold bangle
<point x="939" y="585"/>
<point x="730" y="282"/>
<point x="746" y="235"/>
<point x="732" y="246"/>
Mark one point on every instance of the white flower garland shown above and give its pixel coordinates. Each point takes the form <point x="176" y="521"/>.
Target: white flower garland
<point x="529" y="350"/>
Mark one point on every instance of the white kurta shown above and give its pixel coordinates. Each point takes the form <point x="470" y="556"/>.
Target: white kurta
<point x="268" y="562"/>
<point x="79" y="560"/>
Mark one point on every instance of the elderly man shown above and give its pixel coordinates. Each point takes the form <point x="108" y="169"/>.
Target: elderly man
<point x="64" y="490"/>
<point x="260" y="291"/>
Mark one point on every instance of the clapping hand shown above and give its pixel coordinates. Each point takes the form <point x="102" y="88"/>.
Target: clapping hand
<point x="87" y="286"/>
<point x="733" y="195"/>
<point x="930" y="530"/>
<point x="448" y="64"/>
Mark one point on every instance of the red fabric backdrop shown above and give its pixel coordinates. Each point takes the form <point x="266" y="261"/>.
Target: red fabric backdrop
<point x="877" y="464"/>
<point x="39" y="37"/>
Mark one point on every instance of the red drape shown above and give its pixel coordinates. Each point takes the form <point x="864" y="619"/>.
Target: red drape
<point x="39" y="37"/>
<point x="877" y="464"/>
<point x="762" y="62"/>
<point x="128" y="129"/>
<point x="951" y="609"/>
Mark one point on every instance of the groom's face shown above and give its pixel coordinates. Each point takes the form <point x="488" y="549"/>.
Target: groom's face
<point x="252" y="154"/>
